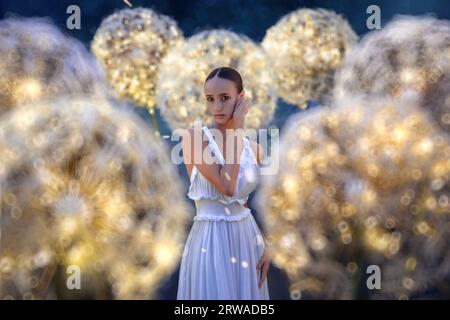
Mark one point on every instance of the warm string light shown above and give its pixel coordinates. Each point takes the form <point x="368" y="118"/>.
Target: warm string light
<point x="362" y="183"/>
<point x="37" y="61"/>
<point x="306" y="47"/>
<point x="85" y="183"/>
<point x="183" y="71"/>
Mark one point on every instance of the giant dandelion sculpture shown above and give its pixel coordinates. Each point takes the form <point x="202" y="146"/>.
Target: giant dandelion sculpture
<point x="86" y="185"/>
<point x="130" y="45"/>
<point x="184" y="69"/>
<point x="306" y="47"/>
<point x="37" y="61"/>
<point x="362" y="184"/>
<point x="410" y="56"/>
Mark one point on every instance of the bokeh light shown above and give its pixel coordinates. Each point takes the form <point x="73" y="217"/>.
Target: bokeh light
<point x="130" y="45"/>
<point x="37" y="61"/>
<point x="85" y="183"/>
<point x="361" y="183"/>
<point x="306" y="47"/>
<point x="409" y="57"/>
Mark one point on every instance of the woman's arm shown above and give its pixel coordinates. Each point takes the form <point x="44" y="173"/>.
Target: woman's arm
<point x="222" y="177"/>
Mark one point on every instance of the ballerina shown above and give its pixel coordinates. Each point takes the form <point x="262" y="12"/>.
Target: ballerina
<point x="225" y="255"/>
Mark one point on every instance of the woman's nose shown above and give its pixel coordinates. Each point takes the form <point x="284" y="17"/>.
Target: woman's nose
<point x="218" y="105"/>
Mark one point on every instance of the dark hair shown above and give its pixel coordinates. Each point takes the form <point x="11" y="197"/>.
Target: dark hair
<point x="229" y="74"/>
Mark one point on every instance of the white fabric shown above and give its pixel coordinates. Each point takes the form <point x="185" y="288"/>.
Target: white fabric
<point x="224" y="244"/>
<point x="248" y="176"/>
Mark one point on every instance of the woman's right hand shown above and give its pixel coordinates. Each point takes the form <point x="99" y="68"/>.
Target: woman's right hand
<point x="240" y="112"/>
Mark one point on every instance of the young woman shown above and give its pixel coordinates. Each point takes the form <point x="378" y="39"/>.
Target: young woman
<point x="225" y="256"/>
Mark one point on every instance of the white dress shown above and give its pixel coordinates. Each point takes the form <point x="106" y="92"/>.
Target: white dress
<point x="224" y="244"/>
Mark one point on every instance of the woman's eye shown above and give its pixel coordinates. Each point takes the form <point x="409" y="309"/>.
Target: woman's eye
<point x="224" y="98"/>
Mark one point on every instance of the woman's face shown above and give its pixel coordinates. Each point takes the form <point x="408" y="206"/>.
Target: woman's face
<point x="221" y="96"/>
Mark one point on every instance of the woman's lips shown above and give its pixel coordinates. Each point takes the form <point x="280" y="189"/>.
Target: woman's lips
<point x="220" y="115"/>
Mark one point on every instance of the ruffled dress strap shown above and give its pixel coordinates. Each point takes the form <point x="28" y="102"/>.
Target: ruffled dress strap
<point x="200" y="188"/>
<point x="213" y="145"/>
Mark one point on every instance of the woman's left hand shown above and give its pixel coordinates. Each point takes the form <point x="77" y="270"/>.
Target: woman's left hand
<point x="263" y="266"/>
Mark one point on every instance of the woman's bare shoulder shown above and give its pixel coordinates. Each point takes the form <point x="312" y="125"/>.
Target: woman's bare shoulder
<point x="190" y="131"/>
<point x="187" y="138"/>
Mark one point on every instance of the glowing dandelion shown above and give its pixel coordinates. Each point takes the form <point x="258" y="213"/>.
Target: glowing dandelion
<point x="130" y="45"/>
<point x="306" y="47"/>
<point x="38" y="62"/>
<point x="409" y="57"/>
<point x="355" y="184"/>
<point x="87" y="185"/>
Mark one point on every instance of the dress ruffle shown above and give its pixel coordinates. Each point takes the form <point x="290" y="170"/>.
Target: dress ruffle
<point x="234" y="217"/>
<point x="219" y="262"/>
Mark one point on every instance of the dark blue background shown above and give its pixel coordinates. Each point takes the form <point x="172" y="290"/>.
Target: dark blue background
<point x="251" y="17"/>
